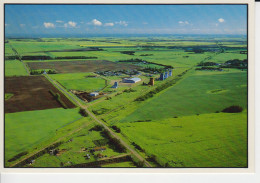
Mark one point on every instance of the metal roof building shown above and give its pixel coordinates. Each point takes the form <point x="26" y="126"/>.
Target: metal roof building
<point x="131" y="80"/>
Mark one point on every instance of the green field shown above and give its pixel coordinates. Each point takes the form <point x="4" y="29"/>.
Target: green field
<point x="208" y="140"/>
<point x="15" y="68"/>
<point x="24" y="130"/>
<point x="180" y="125"/>
<point x="195" y="95"/>
<point x="80" y="81"/>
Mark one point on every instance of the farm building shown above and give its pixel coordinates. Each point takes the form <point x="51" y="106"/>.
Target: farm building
<point x="131" y="80"/>
<point x="94" y="94"/>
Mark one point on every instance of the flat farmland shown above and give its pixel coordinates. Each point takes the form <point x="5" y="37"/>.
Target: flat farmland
<point x="31" y="93"/>
<point x="15" y="68"/>
<point x="80" y="66"/>
<point x="24" y="130"/>
<point x="79" y="81"/>
<point x="196" y="94"/>
<point x="208" y="140"/>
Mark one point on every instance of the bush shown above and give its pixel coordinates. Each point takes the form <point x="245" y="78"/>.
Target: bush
<point x="233" y="109"/>
<point x="117" y="130"/>
<point x="83" y="112"/>
<point x="97" y="128"/>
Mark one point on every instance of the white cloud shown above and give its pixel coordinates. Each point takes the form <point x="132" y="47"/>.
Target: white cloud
<point x="82" y="22"/>
<point x="184" y="23"/>
<point x="109" y="24"/>
<point x="6" y="25"/>
<point x="145" y="23"/>
<point x="124" y="23"/>
<point x="48" y="25"/>
<point x="70" y="24"/>
<point x="59" y="21"/>
<point x="22" y="25"/>
<point x="96" y="22"/>
<point x="221" y="20"/>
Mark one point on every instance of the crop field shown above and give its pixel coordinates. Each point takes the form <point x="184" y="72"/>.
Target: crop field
<point x="80" y="81"/>
<point x="24" y="130"/>
<point x="15" y="68"/>
<point x="80" y="66"/>
<point x="32" y="93"/>
<point x="195" y="95"/>
<point x="208" y="140"/>
<point x="176" y="122"/>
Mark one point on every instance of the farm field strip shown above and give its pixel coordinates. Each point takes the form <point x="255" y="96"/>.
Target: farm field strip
<point x="192" y="141"/>
<point x="35" y="89"/>
<point x="176" y="102"/>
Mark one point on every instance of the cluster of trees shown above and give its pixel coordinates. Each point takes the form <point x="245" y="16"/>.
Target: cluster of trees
<point x="97" y="128"/>
<point x="196" y="50"/>
<point x="117" y="129"/>
<point x="36" y="57"/>
<point x="233" y="109"/>
<point x="209" y="68"/>
<point x="13" y="57"/>
<point x="137" y="147"/>
<point x="146" y="55"/>
<point x="207" y="64"/>
<point x="129" y="90"/>
<point x="39" y="72"/>
<point x="76" y="57"/>
<point x="236" y="63"/>
<point x="58" y="99"/>
<point x="114" y="142"/>
<point x="128" y="52"/>
<point x="83" y="112"/>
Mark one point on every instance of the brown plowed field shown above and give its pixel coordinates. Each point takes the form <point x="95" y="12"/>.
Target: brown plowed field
<point x="31" y="93"/>
<point x="81" y="66"/>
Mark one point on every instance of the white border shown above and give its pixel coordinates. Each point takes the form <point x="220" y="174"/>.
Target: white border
<point x="251" y="161"/>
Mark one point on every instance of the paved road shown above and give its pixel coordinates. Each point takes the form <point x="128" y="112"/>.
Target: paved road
<point x="101" y="123"/>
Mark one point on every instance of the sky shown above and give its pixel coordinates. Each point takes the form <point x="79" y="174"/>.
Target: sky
<point x="125" y="19"/>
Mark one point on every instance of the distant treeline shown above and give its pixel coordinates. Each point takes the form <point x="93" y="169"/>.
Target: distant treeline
<point x="137" y="60"/>
<point x="76" y="57"/>
<point x="235" y="63"/>
<point x="43" y="57"/>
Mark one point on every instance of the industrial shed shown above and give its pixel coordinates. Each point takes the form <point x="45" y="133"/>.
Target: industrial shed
<point x="131" y="80"/>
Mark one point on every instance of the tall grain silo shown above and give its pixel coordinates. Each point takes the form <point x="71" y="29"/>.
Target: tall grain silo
<point x="162" y="76"/>
<point x="165" y="75"/>
<point x="170" y="73"/>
